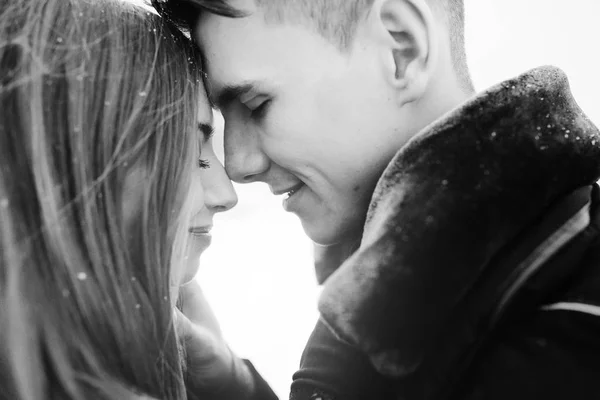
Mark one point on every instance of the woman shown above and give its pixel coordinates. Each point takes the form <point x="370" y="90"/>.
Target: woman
<point x="99" y="151"/>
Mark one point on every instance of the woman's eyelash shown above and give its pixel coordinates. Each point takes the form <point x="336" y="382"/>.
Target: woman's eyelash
<point x="203" y="164"/>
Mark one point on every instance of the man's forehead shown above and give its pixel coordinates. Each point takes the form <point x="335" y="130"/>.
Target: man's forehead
<point x="204" y="108"/>
<point x="208" y="21"/>
<point x="219" y="42"/>
<point x="235" y="55"/>
<point x="224" y="85"/>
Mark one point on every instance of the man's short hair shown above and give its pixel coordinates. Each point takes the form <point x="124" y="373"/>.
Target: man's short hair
<point x="336" y="20"/>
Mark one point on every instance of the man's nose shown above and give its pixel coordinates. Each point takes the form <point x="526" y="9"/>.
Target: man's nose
<point x="245" y="160"/>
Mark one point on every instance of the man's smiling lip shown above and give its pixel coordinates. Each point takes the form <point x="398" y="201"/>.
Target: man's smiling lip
<point x="289" y="189"/>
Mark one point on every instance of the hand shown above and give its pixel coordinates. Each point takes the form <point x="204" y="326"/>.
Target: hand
<point x="212" y="368"/>
<point x="196" y="308"/>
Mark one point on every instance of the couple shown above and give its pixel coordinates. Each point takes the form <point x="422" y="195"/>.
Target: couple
<point x="467" y="223"/>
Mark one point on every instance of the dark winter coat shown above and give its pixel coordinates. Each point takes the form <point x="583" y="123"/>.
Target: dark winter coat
<point x="478" y="274"/>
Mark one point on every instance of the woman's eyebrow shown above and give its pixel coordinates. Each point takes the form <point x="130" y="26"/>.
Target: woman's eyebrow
<point x="207" y="130"/>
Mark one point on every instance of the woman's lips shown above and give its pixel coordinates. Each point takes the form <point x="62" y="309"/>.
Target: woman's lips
<point x="200" y="230"/>
<point x="200" y="237"/>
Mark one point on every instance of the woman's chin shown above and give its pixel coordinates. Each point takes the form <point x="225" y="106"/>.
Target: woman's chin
<point x="184" y="277"/>
<point x="192" y="265"/>
<point x="196" y="246"/>
<point x="185" y="272"/>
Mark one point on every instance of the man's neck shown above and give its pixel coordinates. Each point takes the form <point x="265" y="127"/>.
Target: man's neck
<point x="447" y="97"/>
<point x="441" y="99"/>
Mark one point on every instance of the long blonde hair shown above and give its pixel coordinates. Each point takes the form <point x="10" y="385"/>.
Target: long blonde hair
<point x="90" y="92"/>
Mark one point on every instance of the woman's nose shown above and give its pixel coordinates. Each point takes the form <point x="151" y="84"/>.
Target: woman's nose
<point x="219" y="194"/>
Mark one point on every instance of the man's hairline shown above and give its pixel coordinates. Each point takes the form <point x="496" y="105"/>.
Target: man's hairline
<point x="214" y="101"/>
<point x="341" y="47"/>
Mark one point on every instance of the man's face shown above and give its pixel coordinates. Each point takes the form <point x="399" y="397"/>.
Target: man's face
<point x="301" y="116"/>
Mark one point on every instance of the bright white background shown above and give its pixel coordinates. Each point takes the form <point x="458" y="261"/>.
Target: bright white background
<point x="258" y="273"/>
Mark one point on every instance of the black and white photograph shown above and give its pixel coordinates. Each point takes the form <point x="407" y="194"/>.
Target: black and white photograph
<point x="299" y="199"/>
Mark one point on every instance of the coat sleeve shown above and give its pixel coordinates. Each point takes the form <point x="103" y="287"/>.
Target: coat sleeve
<point x="238" y="389"/>
<point x="552" y="352"/>
<point x="262" y="390"/>
<point x="553" y="355"/>
<point x="333" y="370"/>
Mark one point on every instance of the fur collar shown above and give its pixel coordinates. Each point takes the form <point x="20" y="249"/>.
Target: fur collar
<point x="447" y="203"/>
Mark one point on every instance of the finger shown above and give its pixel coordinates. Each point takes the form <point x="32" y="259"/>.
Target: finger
<point x="197" y="308"/>
<point x="205" y="354"/>
<point x="191" y="294"/>
<point x="192" y="333"/>
<point x="183" y="325"/>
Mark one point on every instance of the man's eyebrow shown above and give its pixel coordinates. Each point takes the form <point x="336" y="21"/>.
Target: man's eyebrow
<point x="206" y="129"/>
<point x="230" y="93"/>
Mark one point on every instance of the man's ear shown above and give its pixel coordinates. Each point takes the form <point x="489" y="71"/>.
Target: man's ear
<point x="410" y="39"/>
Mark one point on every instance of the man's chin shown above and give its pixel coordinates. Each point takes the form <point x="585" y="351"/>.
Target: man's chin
<point x="328" y="232"/>
<point x="322" y="234"/>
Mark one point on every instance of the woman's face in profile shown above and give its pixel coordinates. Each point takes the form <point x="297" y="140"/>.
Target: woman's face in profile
<point x="211" y="192"/>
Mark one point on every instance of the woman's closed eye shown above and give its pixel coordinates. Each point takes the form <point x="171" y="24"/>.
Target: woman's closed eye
<point x="207" y="132"/>
<point x="203" y="164"/>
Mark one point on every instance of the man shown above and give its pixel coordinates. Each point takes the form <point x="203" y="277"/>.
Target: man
<point x="476" y="274"/>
